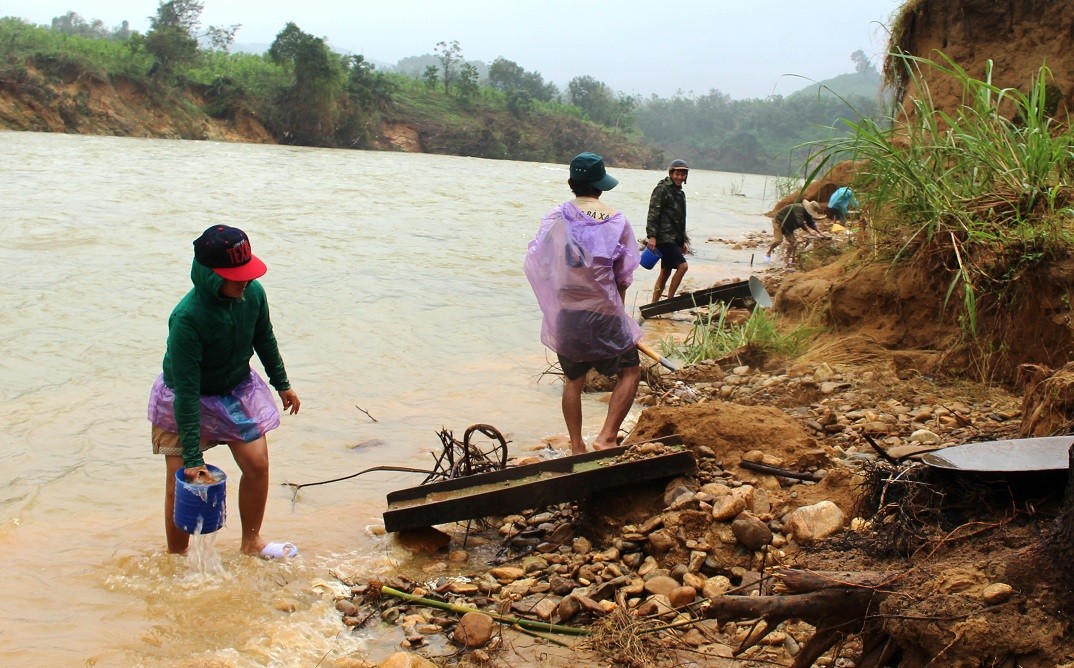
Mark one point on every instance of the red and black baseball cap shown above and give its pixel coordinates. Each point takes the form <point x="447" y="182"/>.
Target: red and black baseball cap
<point x="226" y="250"/>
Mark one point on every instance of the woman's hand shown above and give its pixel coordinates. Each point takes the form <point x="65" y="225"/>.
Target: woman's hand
<point x="290" y="400"/>
<point x="198" y="474"/>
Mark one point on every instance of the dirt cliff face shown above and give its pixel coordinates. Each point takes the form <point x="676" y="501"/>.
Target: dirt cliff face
<point x="82" y="104"/>
<point x="1018" y="36"/>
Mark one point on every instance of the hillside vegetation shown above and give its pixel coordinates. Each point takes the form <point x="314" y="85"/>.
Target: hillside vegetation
<point x="178" y="80"/>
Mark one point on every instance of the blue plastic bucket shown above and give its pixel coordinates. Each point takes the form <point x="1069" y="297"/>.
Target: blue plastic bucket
<point x="200" y="508"/>
<point x="649" y="258"/>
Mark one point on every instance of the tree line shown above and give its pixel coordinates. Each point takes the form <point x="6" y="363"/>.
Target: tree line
<point x="312" y="95"/>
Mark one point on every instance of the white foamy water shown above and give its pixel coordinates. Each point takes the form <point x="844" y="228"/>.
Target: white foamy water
<point x="396" y="288"/>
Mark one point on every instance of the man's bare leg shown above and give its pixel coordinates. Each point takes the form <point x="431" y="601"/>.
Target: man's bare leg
<point x="661" y="279"/>
<point x="680" y="271"/>
<point x="626" y="388"/>
<point x="178" y="540"/>
<point x="253" y="461"/>
<point x="572" y="412"/>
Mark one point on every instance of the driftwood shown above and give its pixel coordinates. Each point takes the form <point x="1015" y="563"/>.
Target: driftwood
<point x="837" y="604"/>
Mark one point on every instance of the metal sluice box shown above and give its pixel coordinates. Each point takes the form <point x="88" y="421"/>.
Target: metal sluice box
<point x="721" y="294"/>
<point x="538" y="485"/>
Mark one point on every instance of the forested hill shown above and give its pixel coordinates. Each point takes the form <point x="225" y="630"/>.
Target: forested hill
<point x="764" y="136"/>
<point x="179" y="81"/>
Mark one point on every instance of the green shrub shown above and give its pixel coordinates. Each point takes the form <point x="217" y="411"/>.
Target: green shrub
<point x="712" y="337"/>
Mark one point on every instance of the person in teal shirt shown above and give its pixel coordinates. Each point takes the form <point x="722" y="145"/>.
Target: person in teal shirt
<point x="841" y="201"/>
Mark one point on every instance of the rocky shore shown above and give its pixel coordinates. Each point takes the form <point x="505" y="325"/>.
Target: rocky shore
<point x="636" y="571"/>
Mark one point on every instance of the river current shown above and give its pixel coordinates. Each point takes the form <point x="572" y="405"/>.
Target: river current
<point x="398" y="298"/>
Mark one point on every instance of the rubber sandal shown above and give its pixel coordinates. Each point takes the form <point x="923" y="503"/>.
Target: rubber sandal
<point x="278" y="551"/>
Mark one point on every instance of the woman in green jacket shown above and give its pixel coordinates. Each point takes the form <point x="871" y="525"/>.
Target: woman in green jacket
<point x="209" y="395"/>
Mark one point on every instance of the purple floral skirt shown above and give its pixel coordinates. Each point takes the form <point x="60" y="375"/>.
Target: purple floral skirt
<point x="246" y="413"/>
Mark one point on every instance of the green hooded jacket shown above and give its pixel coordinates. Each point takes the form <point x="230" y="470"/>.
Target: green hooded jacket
<point x="210" y="342"/>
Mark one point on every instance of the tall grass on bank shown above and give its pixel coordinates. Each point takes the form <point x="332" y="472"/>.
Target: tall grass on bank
<point x="984" y="189"/>
<point x="712" y="336"/>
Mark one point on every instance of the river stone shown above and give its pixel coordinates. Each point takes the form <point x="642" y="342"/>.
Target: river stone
<point x="682" y="596"/>
<point x="823" y="373"/>
<point x="505" y="574"/>
<point x="760" y="503"/>
<point x="727" y="507"/>
<point x="474" y="629"/>
<point x="655" y="605"/>
<point x="997" y="593"/>
<point x="693" y="638"/>
<point x="351" y="662"/>
<point x="545" y="608"/>
<point x="924" y="437"/>
<point x="809" y="524"/>
<point x="458" y="556"/>
<point x="683" y="500"/>
<point x="661" y="584"/>
<point x="534" y="563"/>
<point x="568" y="608"/>
<point x="345" y="606"/>
<point x="581" y="545"/>
<point x="463" y="588"/>
<point x="561" y="533"/>
<point x="751" y="531"/>
<point x="694" y="580"/>
<point x="715" y="586"/>
<point x="650" y="525"/>
<point x="715" y="489"/>
<point x="662" y="540"/>
<point x="560" y="585"/>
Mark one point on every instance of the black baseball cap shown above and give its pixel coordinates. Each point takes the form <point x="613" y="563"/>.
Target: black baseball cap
<point x="226" y="250"/>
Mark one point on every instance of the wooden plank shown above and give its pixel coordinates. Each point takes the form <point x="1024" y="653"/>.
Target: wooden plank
<point x="522" y="487"/>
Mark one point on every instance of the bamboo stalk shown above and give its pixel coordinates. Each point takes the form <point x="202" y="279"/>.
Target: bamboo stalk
<point x="506" y="619"/>
<point x="543" y="636"/>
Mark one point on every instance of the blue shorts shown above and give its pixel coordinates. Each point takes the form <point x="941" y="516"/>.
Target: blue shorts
<point x="670" y="255"/>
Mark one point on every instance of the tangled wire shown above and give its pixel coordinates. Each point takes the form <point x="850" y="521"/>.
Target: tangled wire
<point x="459" y="459"/>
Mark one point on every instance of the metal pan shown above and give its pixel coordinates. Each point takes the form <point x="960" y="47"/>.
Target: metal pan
<point x="1048" y="453"/>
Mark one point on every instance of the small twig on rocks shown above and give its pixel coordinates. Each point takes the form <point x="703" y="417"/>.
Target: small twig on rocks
<point x="783" y="473"/>
<point x="880" y="451"/>
<point x="367" y="413"/>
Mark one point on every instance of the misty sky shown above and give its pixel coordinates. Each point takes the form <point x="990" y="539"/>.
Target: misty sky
<point x="745" y="48"/>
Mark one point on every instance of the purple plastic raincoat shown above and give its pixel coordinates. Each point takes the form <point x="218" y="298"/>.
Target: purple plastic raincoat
<point x="576" y="266"/>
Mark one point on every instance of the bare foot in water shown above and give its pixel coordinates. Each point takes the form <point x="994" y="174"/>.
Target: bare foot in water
<point x="578" y="448"/>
